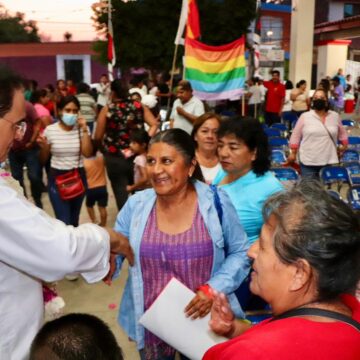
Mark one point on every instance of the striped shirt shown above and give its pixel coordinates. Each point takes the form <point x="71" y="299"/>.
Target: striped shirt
<point x="65" y="147"/>
<point x="188" y="256"/>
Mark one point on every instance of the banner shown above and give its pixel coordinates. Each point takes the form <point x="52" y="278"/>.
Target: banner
<point x="215" y="72"/>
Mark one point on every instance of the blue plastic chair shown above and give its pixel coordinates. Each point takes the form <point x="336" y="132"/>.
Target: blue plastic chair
<point x="272" y="132"/>
<point x="287" y="174"/>
<point x="280" y="126"/>
<point x="278" y="157"/>
<point x="353" y="197"/>
<point x="354" y="142"/>
<point x="353" y="169"/>
<point x="350" y="155"/>
<point x="278" y="143"/>
<point x="348" y="122"/>
<point x="334" y="175"/>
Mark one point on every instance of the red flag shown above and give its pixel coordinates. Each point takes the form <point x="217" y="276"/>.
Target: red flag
<point x="193" y="24"/>
<point x="110" y="36"/>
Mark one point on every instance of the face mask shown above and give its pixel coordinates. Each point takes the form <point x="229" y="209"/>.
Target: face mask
<point x="69" y="119"/>
<point x="319" y="104"/>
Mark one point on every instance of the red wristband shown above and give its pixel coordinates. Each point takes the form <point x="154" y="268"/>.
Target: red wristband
<point x="206" y="289"/>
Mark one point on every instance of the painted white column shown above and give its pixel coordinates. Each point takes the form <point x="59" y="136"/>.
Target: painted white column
<point x="332" y="55"/>
<point x="301" y="40"/>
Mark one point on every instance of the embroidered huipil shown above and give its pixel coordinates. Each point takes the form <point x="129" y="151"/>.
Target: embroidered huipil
<point x="187" y="256"/>
<point x="230" y="264"/>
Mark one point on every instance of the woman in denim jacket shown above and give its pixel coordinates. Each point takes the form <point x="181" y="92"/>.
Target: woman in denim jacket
<point x="181" y="228"/>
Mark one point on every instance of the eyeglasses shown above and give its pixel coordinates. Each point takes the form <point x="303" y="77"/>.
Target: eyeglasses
<point x="18" y="128"/>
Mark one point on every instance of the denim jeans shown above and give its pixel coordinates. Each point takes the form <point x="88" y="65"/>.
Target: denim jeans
<point x="310" y="172"/>
<point x="30" y="158"/>
<point x="68" y="211"/>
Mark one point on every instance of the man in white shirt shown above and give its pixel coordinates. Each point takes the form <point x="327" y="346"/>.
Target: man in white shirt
<point x="186" y="109"/>
<point x="104" y="92"/>
<point x="138" y="86"/>
<point x="254" y="96"/>
<point x="34" y="246"/>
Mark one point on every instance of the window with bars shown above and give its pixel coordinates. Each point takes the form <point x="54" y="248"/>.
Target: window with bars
<point x="271" y="30"/>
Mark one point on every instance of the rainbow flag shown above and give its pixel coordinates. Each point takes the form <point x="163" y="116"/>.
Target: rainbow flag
<point x="215" y="72"/>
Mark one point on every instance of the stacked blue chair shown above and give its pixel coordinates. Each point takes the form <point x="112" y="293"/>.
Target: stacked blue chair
<point x="271" y="132"/>
<point x="278" y="157"/>
<point x="348" y="122"/>
<point x="353" y="169"/>
<point x="350" y="155"/>
<point x="290" y="119"/>
<point x="353" y="197"/>
<point x="338" y="175"/>
<point x="354" y="142"/>
<point x="280" y="126"/>
<point x="279" y="143"/>
<point x="286" y="174"/>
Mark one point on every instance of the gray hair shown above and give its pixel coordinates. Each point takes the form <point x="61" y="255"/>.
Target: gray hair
<point x="314" y="226"/>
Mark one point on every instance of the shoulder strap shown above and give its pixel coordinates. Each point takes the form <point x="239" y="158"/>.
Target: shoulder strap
<point x="79" y="147"/>
<point x="327" y="130"/>
<point x="217" y="202"/>
<point x="319" y="312"/>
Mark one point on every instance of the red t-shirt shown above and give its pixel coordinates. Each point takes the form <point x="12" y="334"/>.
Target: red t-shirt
<point x="274" y="96"/>
<point x="294" y="339"/>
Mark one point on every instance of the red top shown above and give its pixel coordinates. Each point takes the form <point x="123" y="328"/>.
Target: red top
<point x="274" y="96"/>
<point x="294" y="339"/>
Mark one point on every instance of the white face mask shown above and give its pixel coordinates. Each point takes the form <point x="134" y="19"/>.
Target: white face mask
<point x="69" y="119"/>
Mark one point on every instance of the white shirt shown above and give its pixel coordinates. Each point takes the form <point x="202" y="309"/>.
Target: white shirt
<point x="34" y="246"/>
<point x="104" y="92"/>
<point x="209" y="174"/>
<point x="287" y="101"/>
<point x="194" y="106"/>
<point x="255" y="98"/>
<point x="65" y="147"/>
<point x="140" y="91"/>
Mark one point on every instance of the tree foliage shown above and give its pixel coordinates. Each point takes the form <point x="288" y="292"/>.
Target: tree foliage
<point x="15" y="29"/>
<point x="144" y="30"/>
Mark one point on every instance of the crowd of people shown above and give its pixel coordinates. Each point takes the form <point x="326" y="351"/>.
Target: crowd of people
<point x="197" y="202"/>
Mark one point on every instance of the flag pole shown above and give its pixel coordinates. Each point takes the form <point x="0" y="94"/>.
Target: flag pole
<point x="243" y="104"/>
<point x="171" y="81"/>
<point x="110" y="34"/>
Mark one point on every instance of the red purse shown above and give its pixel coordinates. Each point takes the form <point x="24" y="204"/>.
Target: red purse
<point x="70" y="185"/>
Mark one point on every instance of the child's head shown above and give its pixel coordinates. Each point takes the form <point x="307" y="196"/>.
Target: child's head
<point x="139" y="140"/>
<point x="73" y="337"/>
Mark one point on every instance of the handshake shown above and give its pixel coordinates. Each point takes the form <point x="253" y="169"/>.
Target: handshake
<point x="119" y="245"/>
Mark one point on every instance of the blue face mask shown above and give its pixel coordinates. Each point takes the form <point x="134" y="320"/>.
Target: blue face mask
<point x="69" y="119"/>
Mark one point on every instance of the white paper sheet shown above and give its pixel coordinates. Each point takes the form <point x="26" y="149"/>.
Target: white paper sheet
<point x="166" y="319"/>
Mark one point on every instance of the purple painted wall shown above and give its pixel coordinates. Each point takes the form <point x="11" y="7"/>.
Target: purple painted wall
<point x="42" y="69"/>
<point x="97" y="70"/>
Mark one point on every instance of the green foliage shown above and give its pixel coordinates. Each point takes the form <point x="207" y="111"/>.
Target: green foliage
<point x="14" y="29"/>
<point x="144" y="30"/>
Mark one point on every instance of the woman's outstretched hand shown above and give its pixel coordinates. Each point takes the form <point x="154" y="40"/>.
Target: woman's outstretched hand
<point x="222" y="318"/>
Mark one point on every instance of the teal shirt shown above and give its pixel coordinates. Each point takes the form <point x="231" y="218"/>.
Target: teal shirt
<point x="248" y="195"/>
